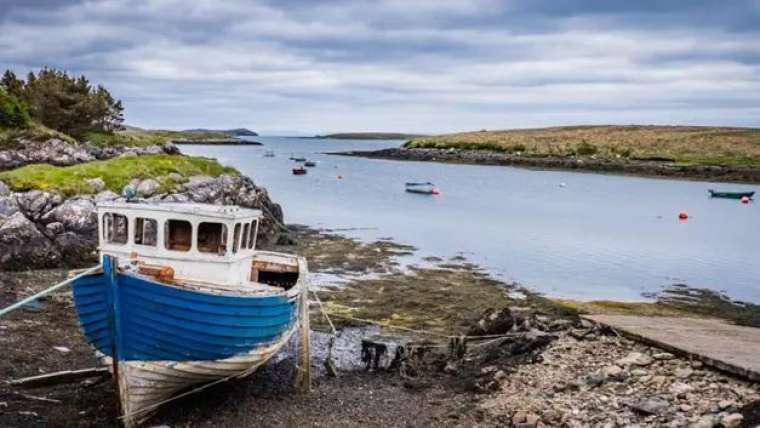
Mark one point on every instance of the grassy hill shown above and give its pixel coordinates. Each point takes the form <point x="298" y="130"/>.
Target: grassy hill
<point x="116" y="173"/>
<point x="691" y="145"/>
<point x="371" y="136"/>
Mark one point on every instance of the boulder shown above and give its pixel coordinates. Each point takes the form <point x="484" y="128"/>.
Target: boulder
<point x="76" y="249"/>
<point x="76" y="215"/>
<point x="35" y="203"/>
<point x="8" y="206"/>
<point x="493" y="321"/>
<point x="105" y="196"/>
<point x="96" y="183"/>
<point x="23" y="246"/>
<point x="4" y="189"/>
<point x="147" y="187"/>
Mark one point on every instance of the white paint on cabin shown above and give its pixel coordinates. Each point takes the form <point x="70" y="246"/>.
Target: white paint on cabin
<point x="229" y="265"/>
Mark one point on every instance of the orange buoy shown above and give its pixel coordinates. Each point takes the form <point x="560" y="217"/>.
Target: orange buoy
<point x="683" y="215"/>
<point x="745" y="199"/>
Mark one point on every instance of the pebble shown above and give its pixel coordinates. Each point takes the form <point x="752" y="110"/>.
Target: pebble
<point x="651" y="406"/>
<point x="663" y="356"/>
<point x="614" y="372"/>
<point x="499" y="375"/>
<point x="639" y="372"/>
<point x="733" y="420"/>
<point x="62" y="349"/>
<point x="707" y="421"/>
<point x="635" y="359"/>
<point x="684" y="373"/>
<point x="680" y="388"/>
<point x="725" y="404"/>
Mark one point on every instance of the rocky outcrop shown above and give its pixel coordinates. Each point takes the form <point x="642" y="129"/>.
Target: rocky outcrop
<point x="39" y="229"/>
<point x="58" y="152"/>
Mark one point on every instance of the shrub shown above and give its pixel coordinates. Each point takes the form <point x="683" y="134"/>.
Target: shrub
<point x="585" y="149"/>
<point x="13" y="113"/>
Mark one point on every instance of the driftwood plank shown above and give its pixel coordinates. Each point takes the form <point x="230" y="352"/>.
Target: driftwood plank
<point x="58" y="378"/>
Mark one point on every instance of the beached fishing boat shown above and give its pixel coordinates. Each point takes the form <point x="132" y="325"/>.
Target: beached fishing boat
<point x="731" y="195"/>
<point x="184" y="299"/>
<point x="426" y="188"/>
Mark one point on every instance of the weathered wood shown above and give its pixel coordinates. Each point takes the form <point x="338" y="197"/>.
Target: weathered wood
<point x="36" y="398"/>
<point x="303" y="370"/>
<point x="727" y="347"/>
<point x="58" y="378"/>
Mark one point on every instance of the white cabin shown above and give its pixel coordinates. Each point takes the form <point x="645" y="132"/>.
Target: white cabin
<point x="201" y="243"/>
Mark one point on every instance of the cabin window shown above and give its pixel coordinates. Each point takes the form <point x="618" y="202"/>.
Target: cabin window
<point x="212" y="238"/>
<point x="146" y="231"/>
<point x="244" y="238"/>
<point x="252" y="235"/>
<point x="236" y="239"/>
<point x="178" y="235"/>
<point x="115" y="228"/>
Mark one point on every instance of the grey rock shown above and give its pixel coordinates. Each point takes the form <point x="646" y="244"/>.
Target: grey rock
<point x="106" y="196"/>
<point x="177" y="197"/>
<point x="170" y="148"/>
<point x="634" y="359"/>
<point x="663" y="356"/>
<point x="650" y="406"/>
<point x="22" y="245"/>
<point x="76" y="249"/>
<point x="55" y="228"/>
<point x="614" y="373"/>
<point x="96" y="183"/>
<point x="173" y="176"/>
<point x="683" y="373"/>
<point x="680" y="389"/>
<point x="35" y="203"/>
<point x="734" y="420"/>
<point x="8" y="206"/>
<point x="4" y="189"/>
<point x="148" y="187"/>
<point x="595" y="379"/>
<point x="76" y="215"/>
<point x="706" y="421"/>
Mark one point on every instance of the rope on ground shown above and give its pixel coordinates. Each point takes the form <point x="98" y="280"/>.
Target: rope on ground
<point x="422" y="332"/>
<point x="47" y="291"/>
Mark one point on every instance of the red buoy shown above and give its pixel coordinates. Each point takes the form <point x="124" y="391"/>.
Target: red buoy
<point x="435" y="191"/>
<point x="745" y="199"/>
<point x="683" y="215"/>
<point x="340" y="177"/>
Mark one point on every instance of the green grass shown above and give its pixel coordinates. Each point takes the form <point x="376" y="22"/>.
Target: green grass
<point x="687" y="145"/>
<point x="10" y="138"/>
<point x="142" y="137"/>
<point x="116" y="173"/>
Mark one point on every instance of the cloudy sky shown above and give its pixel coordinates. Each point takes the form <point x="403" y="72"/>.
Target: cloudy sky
<point x="401" y="65"/>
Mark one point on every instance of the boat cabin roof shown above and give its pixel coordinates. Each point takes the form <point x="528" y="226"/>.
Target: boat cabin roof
<point x="180" y="209"/>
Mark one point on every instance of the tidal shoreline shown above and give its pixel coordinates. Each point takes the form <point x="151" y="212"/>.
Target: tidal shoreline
<point x="643" y="168"/>
<point x="580" y="375"/>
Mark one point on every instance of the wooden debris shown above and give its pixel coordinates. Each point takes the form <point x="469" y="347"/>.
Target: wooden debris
<point x="36" y="398"/>
<point x="58" y="378"/>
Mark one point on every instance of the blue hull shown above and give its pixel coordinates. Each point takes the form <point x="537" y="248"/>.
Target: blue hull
<point x="135" y="318"/>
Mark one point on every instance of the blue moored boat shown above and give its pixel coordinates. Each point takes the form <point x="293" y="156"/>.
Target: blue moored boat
<point x="184" y="298"/>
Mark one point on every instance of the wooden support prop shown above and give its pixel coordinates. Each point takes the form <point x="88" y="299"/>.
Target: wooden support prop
<point x="303" y="366"/>
<point x="58" y="378"/>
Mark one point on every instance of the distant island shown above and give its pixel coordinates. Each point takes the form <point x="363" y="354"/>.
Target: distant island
<point x="371" y="136"/>
<point x="190" y="136"/>
<point x="237" y="132"/>
<point x="704" y="152"/>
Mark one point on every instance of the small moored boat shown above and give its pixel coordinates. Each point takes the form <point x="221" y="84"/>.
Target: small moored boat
<point x="310" y="164"/>
<point x="184" y="299"/>
<point x="299" y="170"/>
<point x="269" y="154"/>
<point x="426" y="188"/>
<point x="298" y="159"/>
<point x="731" y="195"/>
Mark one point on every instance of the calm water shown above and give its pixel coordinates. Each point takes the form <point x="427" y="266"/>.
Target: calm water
<point x="600" y="236"/>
